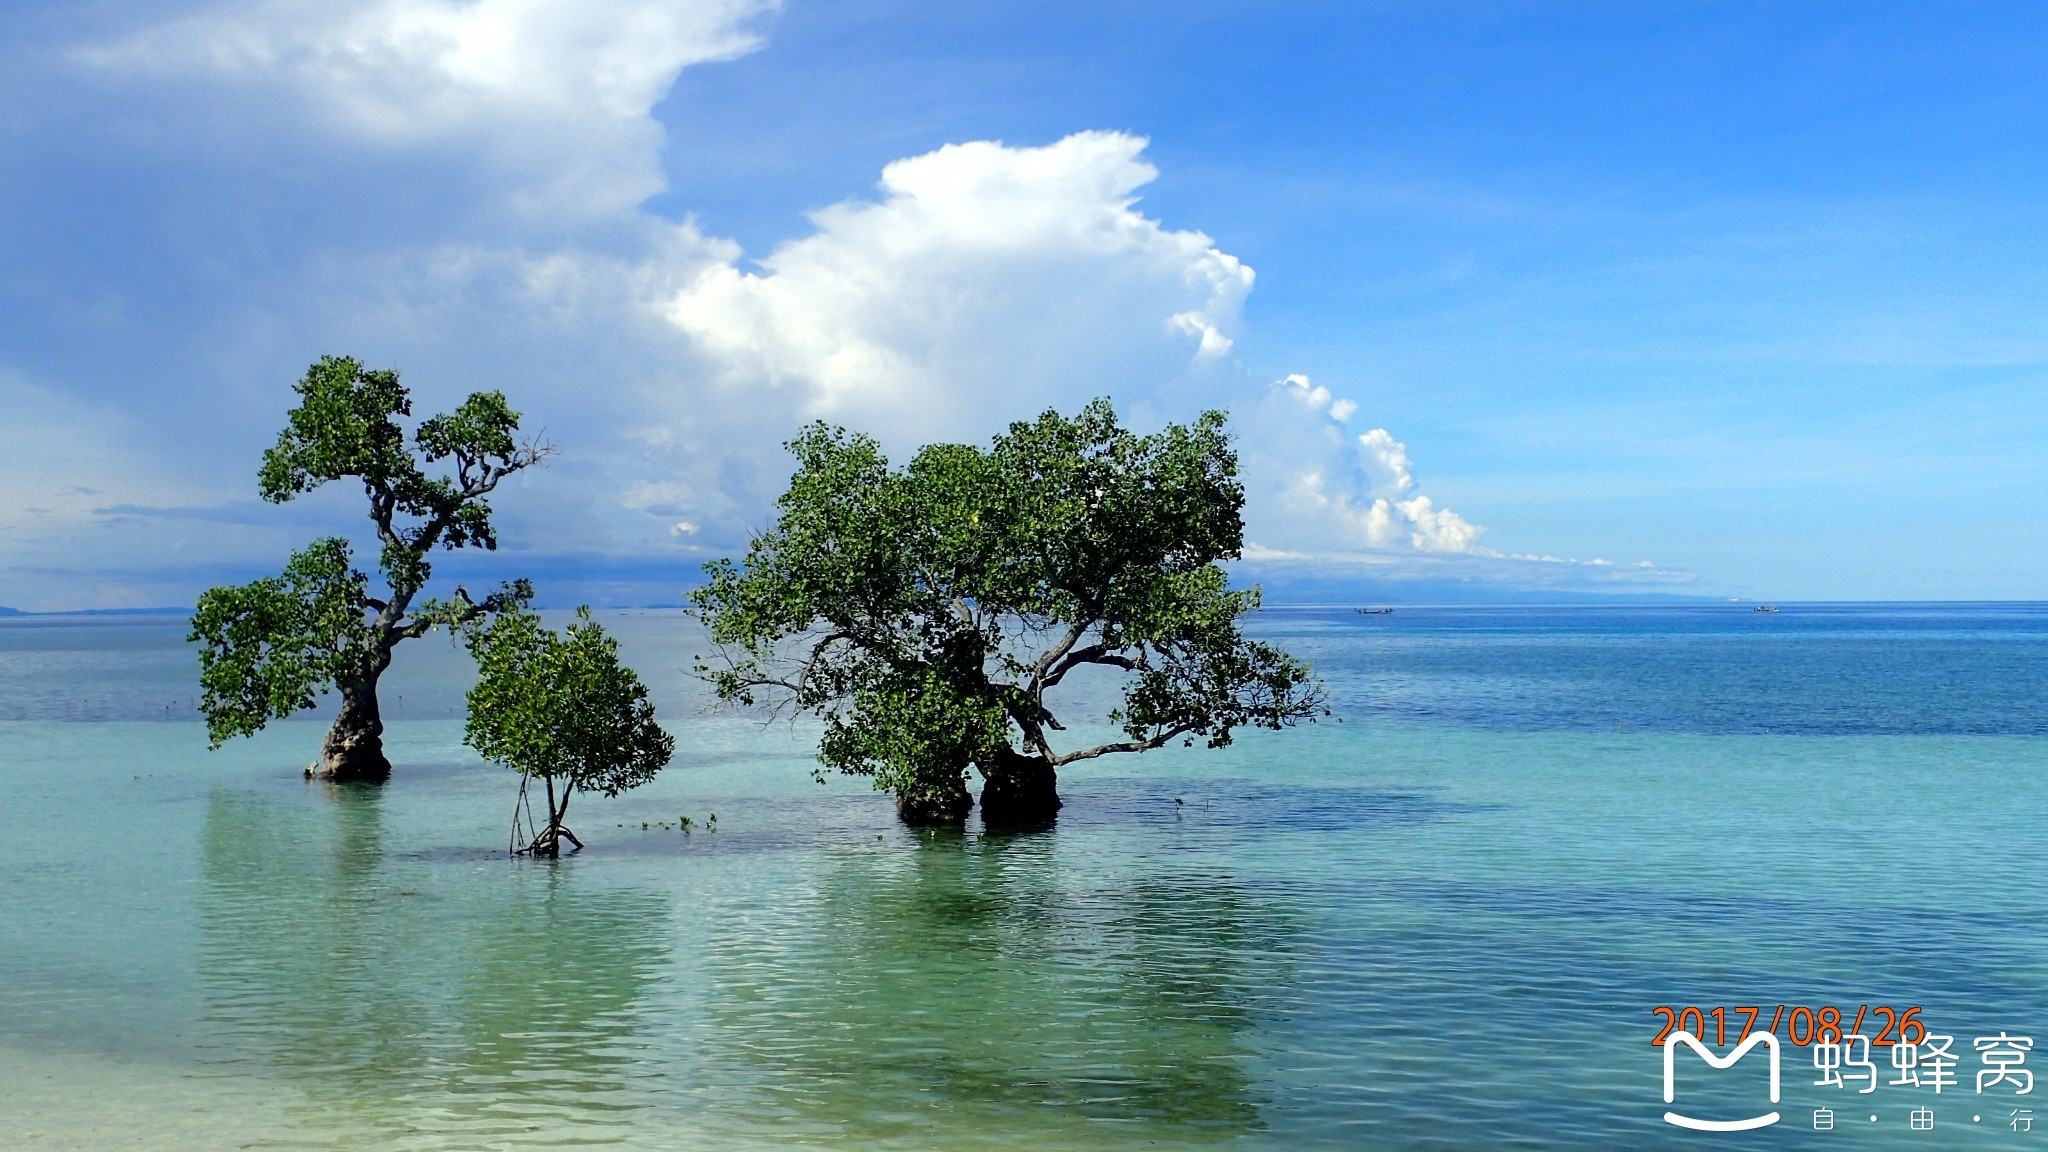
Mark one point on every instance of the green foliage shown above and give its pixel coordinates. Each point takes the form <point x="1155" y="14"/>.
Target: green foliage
<point x="925" y="611"/>
<point x="346" y="427"/>
<point x="915" y="732"/>
<point x="343" y="426"/>
<point x="268" y="648"/>
<point x="561" y="707"/>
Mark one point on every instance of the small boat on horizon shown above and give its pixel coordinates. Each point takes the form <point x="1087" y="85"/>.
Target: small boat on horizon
<point x="1765" y="608"/>
<point x="1374" y="611"/>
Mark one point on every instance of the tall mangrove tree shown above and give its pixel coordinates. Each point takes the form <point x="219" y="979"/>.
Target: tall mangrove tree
<point x="271" y="647"/>
<point x="928" y="613"/>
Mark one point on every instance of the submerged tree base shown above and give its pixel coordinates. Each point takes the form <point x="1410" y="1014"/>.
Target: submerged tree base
<point x="941" y="810"/>
<point x="1021" y="792"/>
<point x="548" y="845"/>
<point x="545" y="844"/>
<point x="354" y="756"/>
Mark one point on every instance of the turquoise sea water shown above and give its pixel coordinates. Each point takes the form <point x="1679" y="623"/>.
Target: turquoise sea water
<point x="1442" y="922"/>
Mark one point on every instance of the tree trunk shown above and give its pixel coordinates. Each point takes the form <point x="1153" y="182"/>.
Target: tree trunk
<point x="354" y="749"/>
<point x="1020" y="791"/>
<point x="548" y="845"/>
<point x="942" y="804"/>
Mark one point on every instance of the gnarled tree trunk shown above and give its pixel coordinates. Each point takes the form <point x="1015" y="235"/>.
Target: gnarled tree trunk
<point x="354" y="749"/>
<point x="1021" y="791"/>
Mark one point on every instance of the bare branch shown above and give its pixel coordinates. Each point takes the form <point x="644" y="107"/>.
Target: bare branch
<point x="817" y="653"/>
<point x="1093" y="654"/>
<point x="1030" y="718"/>
<point x="1066" y="643"/>
<point x="534" y="451"/>
<point x="1145" y="745"/>
<point x="383" y="506"/>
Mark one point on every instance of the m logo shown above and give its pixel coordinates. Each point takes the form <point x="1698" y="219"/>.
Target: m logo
<point x="1717" y="1062"/>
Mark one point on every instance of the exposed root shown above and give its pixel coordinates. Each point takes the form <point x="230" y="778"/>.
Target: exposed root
<point x="548" y="844"/>
<point x="547" y="841"/>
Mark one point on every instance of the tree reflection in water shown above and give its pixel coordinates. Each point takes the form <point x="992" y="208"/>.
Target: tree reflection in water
<point x="962" y="995"/>
<point x="418" y="1004"/>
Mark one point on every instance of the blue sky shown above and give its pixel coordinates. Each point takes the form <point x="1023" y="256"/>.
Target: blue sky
<point x="1733" y="299"/>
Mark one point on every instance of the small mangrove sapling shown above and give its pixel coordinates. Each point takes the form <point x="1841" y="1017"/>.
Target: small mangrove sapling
<point x="559" y="708"/>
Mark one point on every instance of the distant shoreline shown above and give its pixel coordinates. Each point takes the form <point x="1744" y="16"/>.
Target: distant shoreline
<point x="18" y="614"/>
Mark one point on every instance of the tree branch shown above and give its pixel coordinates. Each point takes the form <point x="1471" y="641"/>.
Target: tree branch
<point x="1093" y="654"/>
<point x="1030" y="717"/>
<point x="383" y="506"/>
<point x="817" y="653"/>
<point x="525" y="456"/>
<point x="1066" y="643"/>
<point x="1145" y="745"/>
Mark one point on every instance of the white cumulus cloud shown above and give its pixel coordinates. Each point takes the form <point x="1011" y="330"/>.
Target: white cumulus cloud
<point x="1313" y="487"/>
<point x="1385" y="460"/>
<point x="985" y="283"/>
<point x="1323" y="500"/>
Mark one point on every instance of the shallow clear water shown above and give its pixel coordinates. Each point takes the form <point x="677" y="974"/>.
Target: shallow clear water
<point x="1442" y="922"/>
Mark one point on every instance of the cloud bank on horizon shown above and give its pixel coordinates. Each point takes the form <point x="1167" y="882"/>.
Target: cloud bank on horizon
<point x="982" y="283"/>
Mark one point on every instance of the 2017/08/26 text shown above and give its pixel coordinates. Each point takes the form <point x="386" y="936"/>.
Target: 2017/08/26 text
<point x="1802" y="1025"/>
